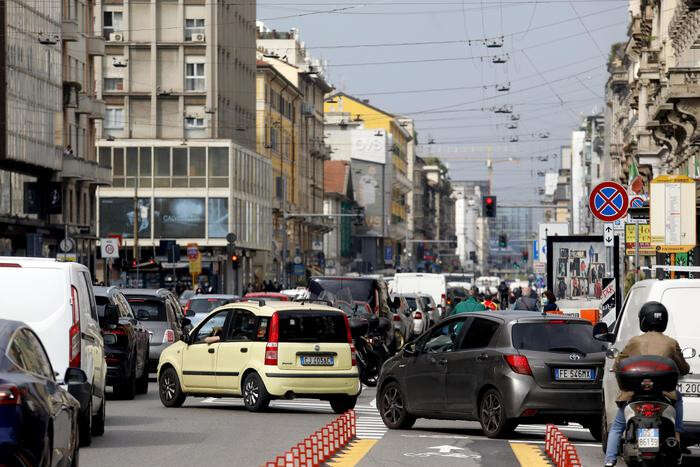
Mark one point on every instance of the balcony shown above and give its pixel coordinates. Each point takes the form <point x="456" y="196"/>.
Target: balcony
<point x="95" y="46"/>
<point x="90" y="105"/>
<point x="80" y="169"/>
<point x="69" y="30"/>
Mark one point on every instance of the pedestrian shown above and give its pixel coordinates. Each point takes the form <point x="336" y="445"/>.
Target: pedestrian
<point x="470" y="304"/>
<point x="526" y="302"/>
<point x="630" y="278"/>
<point x="503" y="292"/>
<point x="549" y="301"/>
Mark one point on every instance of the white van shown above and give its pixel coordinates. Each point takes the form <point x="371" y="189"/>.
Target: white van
<point x="681" y="297"/>
<point x="422" y="283"/>
<point x="56" y="300"/>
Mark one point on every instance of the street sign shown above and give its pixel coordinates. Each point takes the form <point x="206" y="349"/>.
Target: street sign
<point x="192" y="251"/>
<point x="608" y="228"/>
<point x="645" y="247"/>
<point x="109" y="247"/>
<point x="608" y="201"/>
<point x="66" y="245"/>
<point x="607" y="295"/>
<point x="619" y="224"/>
<point x="672" y="213"/>
<point x="636" y="202"/>
<point x="539" y="267"/>
<point x="609" y="239"/>
<point x="317" y="245"/>
<point x="231" y="237"/>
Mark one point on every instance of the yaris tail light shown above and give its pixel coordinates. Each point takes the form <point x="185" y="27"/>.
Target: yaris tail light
<point x="519" y="364"/>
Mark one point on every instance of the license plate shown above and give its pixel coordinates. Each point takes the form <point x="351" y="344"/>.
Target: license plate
<point x="313" y="360"/>
<point x="689" y="389"/>
<point x="574" y="374"/>
<point x="647" y="438"/>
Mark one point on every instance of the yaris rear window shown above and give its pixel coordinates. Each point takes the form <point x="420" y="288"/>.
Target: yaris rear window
<point x="148" y="310"/>
<point x="556" y="336"/>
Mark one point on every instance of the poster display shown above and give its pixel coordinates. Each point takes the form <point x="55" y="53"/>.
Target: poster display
<point x="117" y="217"/>
<point x="577" y="269"/>
<point x="179" y="217"/>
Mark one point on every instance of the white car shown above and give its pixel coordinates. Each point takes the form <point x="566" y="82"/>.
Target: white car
<point x="57" y="301"/>
<point x="423" y="283"/>
<point x="420" y="313"/>
<point x="680" y="296"/>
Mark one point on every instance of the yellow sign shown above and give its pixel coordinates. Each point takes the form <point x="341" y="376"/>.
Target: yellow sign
<point x="645" y="247"/>
<point x="672" y="213"/>
<point x="196" y="265"/>
<point x="675" y="248"/>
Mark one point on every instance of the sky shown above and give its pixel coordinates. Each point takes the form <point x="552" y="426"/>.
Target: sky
<point x="429" y="60"/>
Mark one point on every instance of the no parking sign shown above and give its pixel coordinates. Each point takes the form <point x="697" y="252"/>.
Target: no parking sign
<point x="608" y="201"/>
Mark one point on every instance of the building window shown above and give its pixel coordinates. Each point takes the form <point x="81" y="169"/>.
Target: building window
<point x="194" y="123"/>
<point x="113" y="84"/>
<point x="112" y="22"/>
<point x="114" y="118"/>
<point x="193" y="26"/>
<point x="194" y="74"/>
<point x="274" y="139"/>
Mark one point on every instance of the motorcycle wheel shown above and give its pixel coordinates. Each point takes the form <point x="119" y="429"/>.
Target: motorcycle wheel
<point x="370" y="375"/>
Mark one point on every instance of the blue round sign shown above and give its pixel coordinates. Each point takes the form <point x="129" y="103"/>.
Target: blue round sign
<point x="608" y="201"/>
<point x="637" y="202"/>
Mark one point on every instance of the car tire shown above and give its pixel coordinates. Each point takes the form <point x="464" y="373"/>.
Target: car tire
<point x="98" y="421"/>
<point x="604" y="430"/>
<point x="391" y="404"/>
<point x="341" y="404"/>
<point x="255" y="396"/>
<point x="142" y="382"/>
<point x="85" y="423"/>
<point x="492" y="415"/>
<point x="169" y="388"/>
<point x="595" y="427"/>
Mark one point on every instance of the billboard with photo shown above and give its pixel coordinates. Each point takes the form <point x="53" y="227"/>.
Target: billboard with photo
<point x="368" y="186"/>
<point x="179" y="218"/>
<point x="117" y="217"/>
<point x="217" y="217"/>
<point x="578" y="268"/>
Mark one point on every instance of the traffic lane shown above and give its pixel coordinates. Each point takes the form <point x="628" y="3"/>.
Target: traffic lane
<point x="447" y="442"/>
<point x="143" y="432"/>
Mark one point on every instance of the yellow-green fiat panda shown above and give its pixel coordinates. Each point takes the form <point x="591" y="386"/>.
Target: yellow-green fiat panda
<point x="262" y="351"/>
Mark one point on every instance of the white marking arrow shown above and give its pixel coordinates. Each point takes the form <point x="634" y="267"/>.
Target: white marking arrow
<point x="446" y="448"/>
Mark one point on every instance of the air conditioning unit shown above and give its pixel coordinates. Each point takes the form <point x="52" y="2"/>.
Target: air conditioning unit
<point x="116" y="37"/>
<point x="198" y="37"/>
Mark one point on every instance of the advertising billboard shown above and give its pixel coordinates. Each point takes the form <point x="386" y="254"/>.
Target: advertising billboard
<point x="368" y="185"/>
<point x="117" y="217"/>
<point x="217" y="217"/>
<point x="179" y="218"/>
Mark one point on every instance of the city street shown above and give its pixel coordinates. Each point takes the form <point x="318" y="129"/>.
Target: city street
<point x="221" y="432"/>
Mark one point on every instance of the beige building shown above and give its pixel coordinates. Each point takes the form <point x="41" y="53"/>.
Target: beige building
<point x="178" y="80"/>
<point x="286" y="53"/>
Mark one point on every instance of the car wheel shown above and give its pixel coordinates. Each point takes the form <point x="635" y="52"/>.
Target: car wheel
<point x="142" y="382"/>
<point x="492" y="415"/>
<point x="595" y="427"/>
<point x="169" y="389"/>
<point x="255" y="396"/>
<point x="98" y="421"/>
<point x="392" y="407"/>
<point x="341" y="404"/>
<point x="86" y="425"/>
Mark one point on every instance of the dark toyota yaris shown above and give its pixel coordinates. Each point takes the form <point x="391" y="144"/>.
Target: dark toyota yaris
<point x="499" y="368"/>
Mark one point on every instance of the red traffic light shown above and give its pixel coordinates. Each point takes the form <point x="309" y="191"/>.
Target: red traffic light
<point x="234" y="258"/>
<point x="133" y="264"/>
<point x="489" y="200"/>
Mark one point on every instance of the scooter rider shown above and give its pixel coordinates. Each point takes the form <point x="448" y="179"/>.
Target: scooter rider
<point x="653" y="318"/>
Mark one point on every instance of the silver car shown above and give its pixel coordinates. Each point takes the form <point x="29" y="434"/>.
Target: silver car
<point x="420" y="313"/>
<point x="499" y="368"/>
<point x="158" y="311"/>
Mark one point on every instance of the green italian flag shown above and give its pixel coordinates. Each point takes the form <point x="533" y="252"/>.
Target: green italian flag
<point x="636" y="182"/>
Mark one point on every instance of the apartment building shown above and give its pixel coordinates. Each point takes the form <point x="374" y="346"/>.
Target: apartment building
<point x="178" y="80"/>
<point x="286" y="52"/>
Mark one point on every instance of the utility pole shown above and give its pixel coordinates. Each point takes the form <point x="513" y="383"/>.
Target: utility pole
<point x="136" y="226"/>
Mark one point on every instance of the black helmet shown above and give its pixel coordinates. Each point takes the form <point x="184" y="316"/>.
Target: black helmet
<point x="653" y="317"/>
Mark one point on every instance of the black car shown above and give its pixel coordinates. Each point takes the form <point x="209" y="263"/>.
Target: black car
<point x="126" y="344"/>
<point x="498" y="368"/>
<point x="38" y="417"/>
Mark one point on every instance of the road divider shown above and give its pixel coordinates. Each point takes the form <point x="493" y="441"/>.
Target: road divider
<point x="559" y="449"/>
<point x="316" y="449"/>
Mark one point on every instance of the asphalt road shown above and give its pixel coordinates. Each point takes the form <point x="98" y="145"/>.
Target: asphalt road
<point x="215" y="432"/>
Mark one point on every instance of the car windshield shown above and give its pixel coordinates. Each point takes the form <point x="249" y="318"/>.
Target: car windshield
<point x="556" y="336"/>
<point x="309" y="326"/>
<point x="205" y="305"/>
<point x="148" y="310"/>
<point x="101" y="303"/>
<point x="360" y="289"/>
<point x="412" y="305"/>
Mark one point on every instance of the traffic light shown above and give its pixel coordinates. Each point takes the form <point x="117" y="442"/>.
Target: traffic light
<point x="235" y="260"/>
<point x="502" y="241"/>
<point x="526" y="255"/>
<point x="489" y="206"/>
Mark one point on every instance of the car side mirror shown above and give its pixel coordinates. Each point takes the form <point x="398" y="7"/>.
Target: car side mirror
<point x="111" y="314"/>
<point x="185" y="322"/>
<point x="410" y="349"/>
<point x="190" y="313"/>
<point x="602" y="333"/>
<point x="74" y="376"/>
